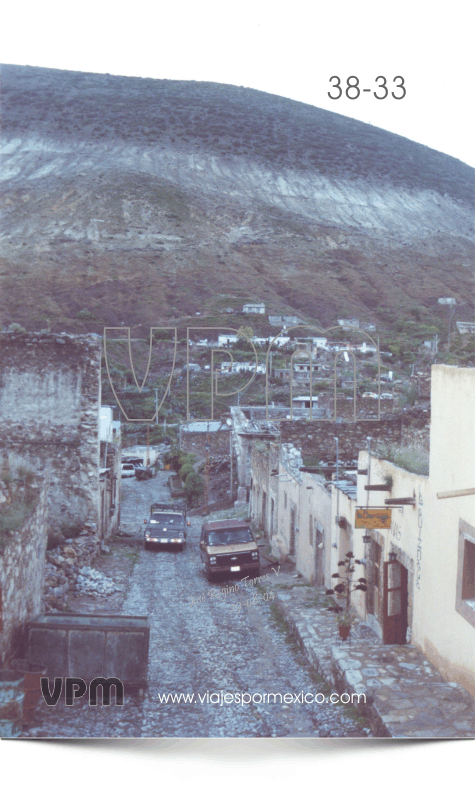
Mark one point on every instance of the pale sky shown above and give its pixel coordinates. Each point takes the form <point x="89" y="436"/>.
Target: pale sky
<point x="289" y="49"/>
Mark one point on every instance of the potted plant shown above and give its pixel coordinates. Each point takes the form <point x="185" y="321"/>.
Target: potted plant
<point x="346" y="585"/>
<point x="33" y="672"/>
<point x="344" y="620"/>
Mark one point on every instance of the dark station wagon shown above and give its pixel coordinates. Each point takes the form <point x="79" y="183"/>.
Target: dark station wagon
<point x="228" y="547"/>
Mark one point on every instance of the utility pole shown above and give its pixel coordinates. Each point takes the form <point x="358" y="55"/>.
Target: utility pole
<point x="368" y="440"/>
<point x="337" y="479"/>
<point x="156" y="406"/>
<point x="206" y="494"/>
<point x="231" y="465"/>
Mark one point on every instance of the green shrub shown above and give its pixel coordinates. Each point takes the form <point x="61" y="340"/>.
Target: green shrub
<point x="408" y="399"/>
<point x="84" y="314"/>
<point x="313" y="460"/>
<point x="185" y="470"/>
<point x="70" y="530"/>
<point x="12" y="518"/>
<point x="194" y="486"/>
<point x="22" y="497"/>
<point x="54" y="539"/>
<point x="411" y="459"/>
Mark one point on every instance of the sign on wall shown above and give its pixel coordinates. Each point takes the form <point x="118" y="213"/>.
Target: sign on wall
<point x="373" y="518"/>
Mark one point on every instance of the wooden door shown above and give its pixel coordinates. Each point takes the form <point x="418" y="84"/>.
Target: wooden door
<point x="319" y="563"/>
<point x="394" y="606"/>
<point x="292" y="532"/>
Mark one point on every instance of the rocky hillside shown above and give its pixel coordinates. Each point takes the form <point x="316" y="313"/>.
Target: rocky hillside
<point x="139" y="202"/>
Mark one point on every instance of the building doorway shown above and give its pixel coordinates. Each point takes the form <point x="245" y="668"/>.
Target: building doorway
<point x="394" y="603"/>
<point x="319" y="559"/>
<point x="292" y="531"/>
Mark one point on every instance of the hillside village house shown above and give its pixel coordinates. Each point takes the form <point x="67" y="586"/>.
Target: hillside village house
<point x="420" y="571"/>
<point x="285" y="321"/>
<point x="254" y="308"/>
<point x="349" y="322"/>
<point x="226" y="339"/>
<point x="238" y="367"/>
<point x="465" y="327"/>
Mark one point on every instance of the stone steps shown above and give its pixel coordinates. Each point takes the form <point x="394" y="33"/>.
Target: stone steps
<point x="405" y="694"/>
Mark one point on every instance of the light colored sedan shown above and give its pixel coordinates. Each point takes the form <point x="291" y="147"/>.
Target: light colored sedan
<point x="128" y="471"/>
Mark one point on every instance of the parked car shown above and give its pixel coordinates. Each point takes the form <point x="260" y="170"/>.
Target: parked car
<point x="127" y="471"/>
<point x="143" y="473"/>
<point x="159" y="507"/>
<point x="135" y="460"/>
<point x="167" y="526"/>
<point x="228" y="547"/>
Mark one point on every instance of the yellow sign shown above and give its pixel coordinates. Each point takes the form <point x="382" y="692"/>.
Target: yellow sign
<point x="373" y="518"/>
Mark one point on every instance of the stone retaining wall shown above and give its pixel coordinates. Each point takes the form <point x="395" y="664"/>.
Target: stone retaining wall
<point x="49" y="416"/>
<point x="22" y="574"/>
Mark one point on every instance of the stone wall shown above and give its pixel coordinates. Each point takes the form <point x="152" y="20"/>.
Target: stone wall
<point x="49" y="417"/>
<point x="22" y="574"/>
<point x="415" y="430"/>
<point x="317" y="438"/>
<point x="195" y="442"/>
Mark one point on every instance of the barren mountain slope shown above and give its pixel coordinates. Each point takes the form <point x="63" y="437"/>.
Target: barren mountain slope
<point x="129" y="200"/>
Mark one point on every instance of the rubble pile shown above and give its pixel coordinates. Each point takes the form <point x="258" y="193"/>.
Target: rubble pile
<point x="93" y="582"/>
<point x="218" y="464"/>
<point x="64" y="564"/>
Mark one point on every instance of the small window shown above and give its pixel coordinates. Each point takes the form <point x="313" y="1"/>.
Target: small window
<point x="285" y="499"/>
<point x="468" y="571"/>
<point x="465" y="598"/>
<point x="310" y="530"/>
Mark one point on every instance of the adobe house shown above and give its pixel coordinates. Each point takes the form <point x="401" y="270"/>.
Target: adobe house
<point x="421" y="570"/>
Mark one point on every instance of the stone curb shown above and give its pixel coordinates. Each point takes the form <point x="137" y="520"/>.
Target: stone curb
<point x="406" y="697"/>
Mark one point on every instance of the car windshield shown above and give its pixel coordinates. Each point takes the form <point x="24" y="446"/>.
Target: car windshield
<point x="225" y="537"/>
<point x="167" y="520"/>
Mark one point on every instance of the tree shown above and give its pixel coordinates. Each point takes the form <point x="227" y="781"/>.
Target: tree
<point x="347" y="583"/>
<point x="194" y="487"/>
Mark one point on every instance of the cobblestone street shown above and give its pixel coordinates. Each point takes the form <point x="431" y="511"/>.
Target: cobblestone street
<point x="202" y="643"/>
